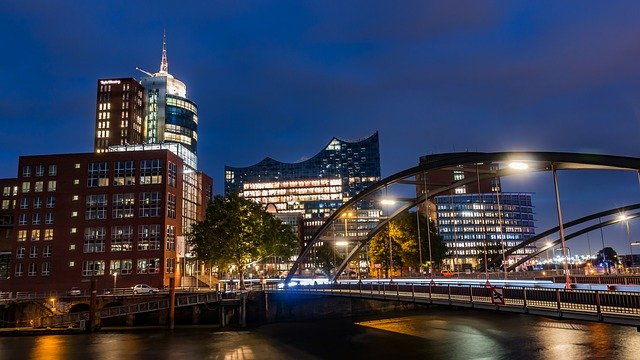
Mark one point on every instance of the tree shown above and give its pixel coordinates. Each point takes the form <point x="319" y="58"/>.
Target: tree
<point x="327" y="257"/>
<point x="404" y="235"/>
<point x="379" y="250"/>
<point x="408" y="227"/>
<point x="237" y="231"/>
<point x="607" y="257"/>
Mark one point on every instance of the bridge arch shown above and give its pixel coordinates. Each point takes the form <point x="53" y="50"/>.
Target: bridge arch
<point x="536" y="161"/>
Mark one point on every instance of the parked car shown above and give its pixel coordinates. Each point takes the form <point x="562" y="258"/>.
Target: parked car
<point x="144" y="289"/>
<point x="74" y="291"/>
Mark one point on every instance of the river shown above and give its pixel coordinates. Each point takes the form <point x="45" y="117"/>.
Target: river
<point x="437" y="333"/>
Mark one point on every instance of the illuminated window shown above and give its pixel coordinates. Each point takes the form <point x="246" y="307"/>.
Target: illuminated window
<point x="122" y="238"/>
<point x="48" y="234"/>
<point x="26" y="187"/>
<point x="74" y="230"/>
<point x="93" y="268"/>
<point x="94" y="239"/>
<point x="149" y="237"/>
<point x="51" y="186"/>
<point x="22" y="235"/>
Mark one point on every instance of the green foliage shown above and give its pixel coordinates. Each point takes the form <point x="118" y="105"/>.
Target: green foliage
<point x="607" y="256"/>
<point x="404" y="240"/>
<point x="327" y="257"/>
<point x="237" y="231"/>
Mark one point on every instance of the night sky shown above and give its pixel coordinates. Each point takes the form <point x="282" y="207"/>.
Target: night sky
<point x="282" y="78"/>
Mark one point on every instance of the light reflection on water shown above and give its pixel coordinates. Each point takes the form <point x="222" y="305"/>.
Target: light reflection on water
<point x="433" y="334"/>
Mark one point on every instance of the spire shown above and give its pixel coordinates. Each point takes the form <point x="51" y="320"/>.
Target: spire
<point x="164" y="65"/>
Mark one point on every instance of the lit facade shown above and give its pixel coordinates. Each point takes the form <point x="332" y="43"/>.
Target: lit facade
<point x="89" y="216"/>
<point x="314" y="188"/>
<point x="471" y="223"/>
<point x="119" y="113"/>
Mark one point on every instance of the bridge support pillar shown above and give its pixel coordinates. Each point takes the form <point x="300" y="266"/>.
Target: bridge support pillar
<point x="195" y="314"/>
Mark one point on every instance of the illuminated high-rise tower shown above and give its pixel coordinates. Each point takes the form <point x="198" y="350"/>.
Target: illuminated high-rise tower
<point x="169" y="116"/>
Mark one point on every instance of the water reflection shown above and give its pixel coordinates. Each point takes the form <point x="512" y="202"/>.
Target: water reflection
<point x="435" y="334"/>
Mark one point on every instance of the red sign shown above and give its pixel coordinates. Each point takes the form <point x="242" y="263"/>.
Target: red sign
<point x="497" y="295"/>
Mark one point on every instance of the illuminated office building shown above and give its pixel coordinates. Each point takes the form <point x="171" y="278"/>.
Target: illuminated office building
<point x="315" y="187"/>
<point x="471" y="224"/>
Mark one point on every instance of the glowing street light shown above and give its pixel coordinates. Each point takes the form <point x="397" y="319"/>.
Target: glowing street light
<point x="53" y="304"/>
<point x="115" y="278"/>
<point x="626" y="218"/>
<point x="388" y="202"/>
<point x="518" y="165"/>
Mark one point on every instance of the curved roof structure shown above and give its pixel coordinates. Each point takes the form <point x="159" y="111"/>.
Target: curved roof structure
<point x="338" y="159"/>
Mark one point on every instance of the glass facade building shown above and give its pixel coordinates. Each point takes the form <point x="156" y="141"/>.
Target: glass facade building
<point x="315" y="187"/>
<point x="471" y="223"/>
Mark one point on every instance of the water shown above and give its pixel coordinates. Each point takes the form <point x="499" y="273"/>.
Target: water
<point x="432" y="334"/>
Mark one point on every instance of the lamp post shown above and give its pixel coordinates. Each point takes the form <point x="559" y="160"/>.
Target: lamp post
<point x="388" y="202"/>
<point x="561" y="227"/>
<point x="53" y="304"/>
<point x="625" y="218"/>
<point x="426" y="200"/>
<point x="115" y="279"/>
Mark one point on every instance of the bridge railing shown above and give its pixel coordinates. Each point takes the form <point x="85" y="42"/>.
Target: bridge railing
<point x="596" y="303"/>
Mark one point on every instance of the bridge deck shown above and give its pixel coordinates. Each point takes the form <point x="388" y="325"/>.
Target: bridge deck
<point x="616" y="307"/>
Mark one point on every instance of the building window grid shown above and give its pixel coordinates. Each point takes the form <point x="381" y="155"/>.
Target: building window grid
<point x="94" y="240"/>
<point x="150" y="204"/>
<point x="171" y="238"/>
<point x="150" y="172"/>
<point x="121" y="238"/>
<point x="149" y="237"/>
<point x="122" y="206"/>
<point x="93" y="268"/>
<point x="96" y="207"/>
<point x="98" y="174"/>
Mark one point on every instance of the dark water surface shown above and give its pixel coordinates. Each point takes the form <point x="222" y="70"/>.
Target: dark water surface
<point x="432" y="334"/>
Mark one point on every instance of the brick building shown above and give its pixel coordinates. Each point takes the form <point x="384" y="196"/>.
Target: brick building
<point x="88" y="216"/>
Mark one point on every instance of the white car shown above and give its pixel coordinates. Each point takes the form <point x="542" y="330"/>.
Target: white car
<point x="144" y="289"/>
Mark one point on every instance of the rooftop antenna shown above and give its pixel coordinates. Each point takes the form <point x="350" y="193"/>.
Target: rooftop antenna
<point x="164" y="64"/>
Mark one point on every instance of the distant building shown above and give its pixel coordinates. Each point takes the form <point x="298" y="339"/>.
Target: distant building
<point x="471" y="224"/>
<point x="89" y="216"/>
<point x="119" y="113"/>
<point x="155" y="113"/>
<point x="8" y="203"/>
<point x="314" y="188"/>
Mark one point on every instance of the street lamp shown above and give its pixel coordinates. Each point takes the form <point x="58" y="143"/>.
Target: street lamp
<point x="53" y="304"/>
<point x="625" y="218"/>
<point x="388" y="202"/>
<point x="115" y="279"/>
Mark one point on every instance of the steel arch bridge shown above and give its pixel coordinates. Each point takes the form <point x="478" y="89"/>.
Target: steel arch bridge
<point x="535" y="161"/>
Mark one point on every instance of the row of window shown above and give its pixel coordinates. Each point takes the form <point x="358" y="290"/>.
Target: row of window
<point x="97" y="267"/>
<point x="39" y="170"/>
<point x="35" y="234"/>
<point x="33" y="251"/>
<point x="38" y="186"/>
<point x="149" y="238"/>
<point x="36" y="219"/>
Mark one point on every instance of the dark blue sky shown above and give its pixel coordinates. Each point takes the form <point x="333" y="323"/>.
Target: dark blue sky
<point x="282" y="78"/>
